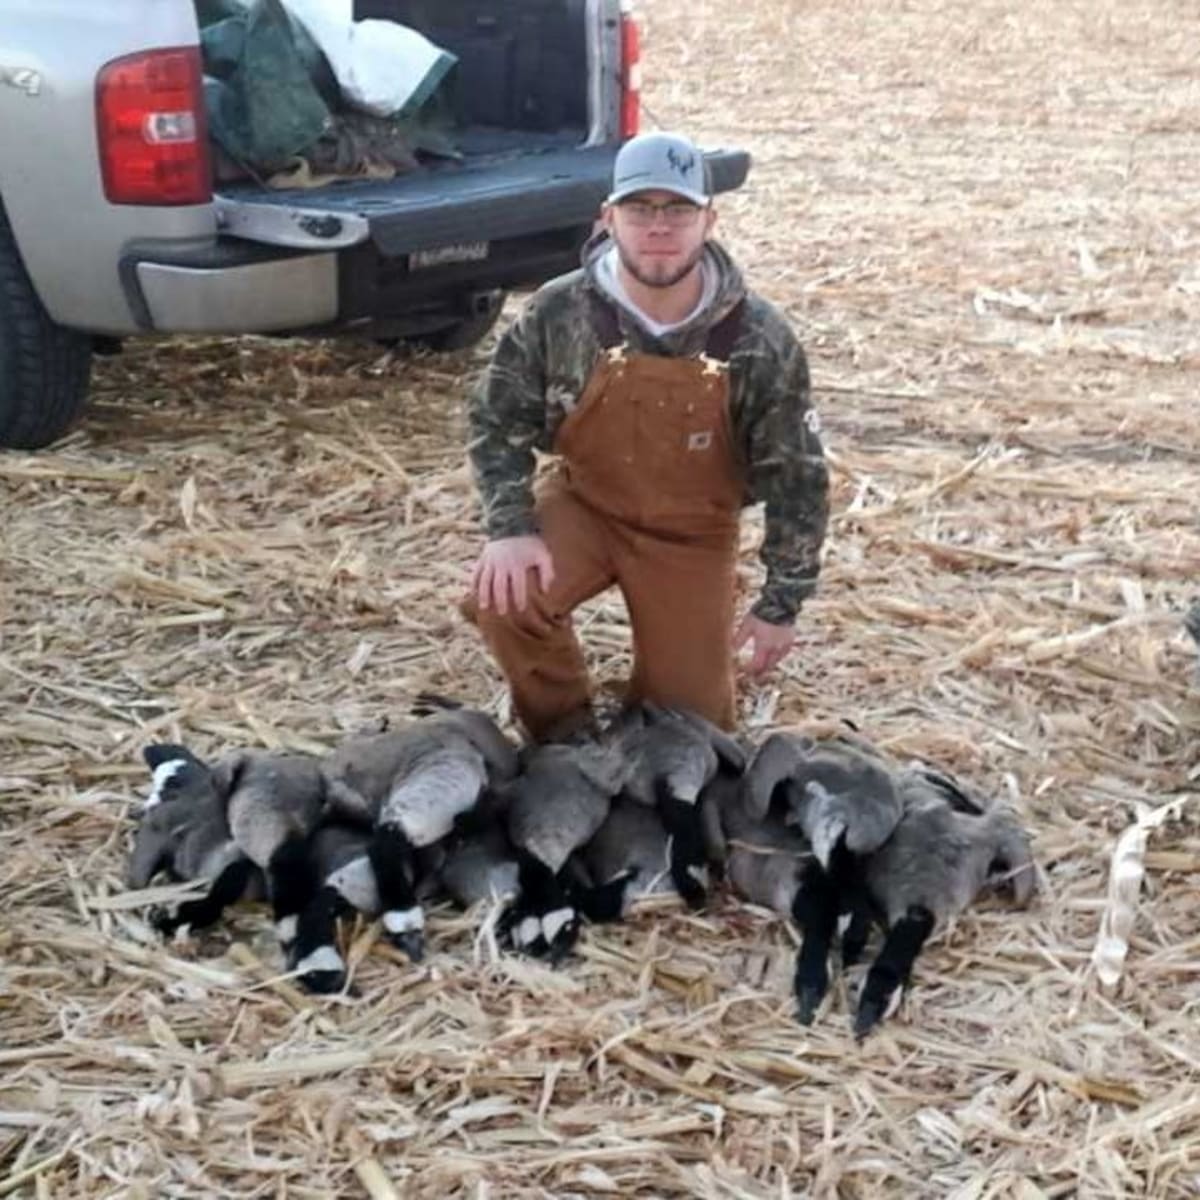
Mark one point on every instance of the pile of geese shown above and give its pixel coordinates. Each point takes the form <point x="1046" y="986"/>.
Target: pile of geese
<point x="827" y="832"/>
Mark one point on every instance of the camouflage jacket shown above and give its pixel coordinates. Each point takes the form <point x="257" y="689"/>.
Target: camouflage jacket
<point x="542" y="364"/>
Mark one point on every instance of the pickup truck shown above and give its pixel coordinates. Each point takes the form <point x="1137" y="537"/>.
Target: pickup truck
<point x="111" y="225"/>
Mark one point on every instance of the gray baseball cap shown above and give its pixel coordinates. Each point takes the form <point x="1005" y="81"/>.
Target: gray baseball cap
<point x="666" y="162"/>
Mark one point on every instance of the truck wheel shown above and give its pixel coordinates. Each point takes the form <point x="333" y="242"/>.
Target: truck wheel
<point x="44" y="368"/>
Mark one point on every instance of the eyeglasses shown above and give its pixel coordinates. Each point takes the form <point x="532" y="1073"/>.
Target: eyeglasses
<point x="677" y="214"/>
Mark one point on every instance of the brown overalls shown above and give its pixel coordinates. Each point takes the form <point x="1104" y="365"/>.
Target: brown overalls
<point x="648" y="497"/>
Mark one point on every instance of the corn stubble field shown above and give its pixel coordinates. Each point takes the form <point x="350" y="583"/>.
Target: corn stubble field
<point x="983" y="221"/>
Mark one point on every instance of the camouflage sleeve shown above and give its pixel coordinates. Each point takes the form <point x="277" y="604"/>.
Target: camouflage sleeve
<point x="506" y="419"/>
<point x="787" y="473"/>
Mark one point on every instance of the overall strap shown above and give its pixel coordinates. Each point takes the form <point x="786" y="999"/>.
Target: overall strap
<point x="724" y="334"/>
<point x="604" y="322"/>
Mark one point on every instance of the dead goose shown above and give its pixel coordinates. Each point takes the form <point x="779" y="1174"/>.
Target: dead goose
<point x="765" y="858"/>
<point x="413" y="785"/>
<point x="340" y="856"/>
<point x="633" y="848"/>
<point x="479" y="865"/>
<point x="841" y="790"/>
<point x="948" y="846"/>
<point x="672" y="756"/>
<point x="634" y="843"/>
<point x="272" y="802"/>
<point x="842" y="796"/>
<point x="340" y="853"/>
<point x="183" y="831"/>
<point x="554" y="807"/>
<point x="769" y="862"/>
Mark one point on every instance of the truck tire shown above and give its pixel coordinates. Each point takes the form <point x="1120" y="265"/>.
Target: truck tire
<point x="44" y="368"/>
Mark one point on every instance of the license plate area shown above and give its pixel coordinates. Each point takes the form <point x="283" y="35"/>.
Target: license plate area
<point x="441" y="256"/>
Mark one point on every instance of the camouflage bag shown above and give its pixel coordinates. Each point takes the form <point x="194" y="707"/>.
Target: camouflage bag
<point x="262" y="84"/>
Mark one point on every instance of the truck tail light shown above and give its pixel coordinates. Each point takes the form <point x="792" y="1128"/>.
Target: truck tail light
<point x="151" y="129"/>
<point x="631" y="72"/>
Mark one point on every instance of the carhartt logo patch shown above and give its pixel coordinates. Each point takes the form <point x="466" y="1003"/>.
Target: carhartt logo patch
<point x="700" y="441"/>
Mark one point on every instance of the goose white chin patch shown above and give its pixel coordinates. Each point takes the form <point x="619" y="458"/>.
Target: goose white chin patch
<point x="323" y="958"/>
<point x="527" y="932"/>
<point x="699" y="874"/>
<point x="404" y="920"/>
<point x="355" y="883"/>
<point x="824" y="838"/>
<point x="163" y="772"/>
<point x="554" y="922"/>
<point x="285" y="928"/>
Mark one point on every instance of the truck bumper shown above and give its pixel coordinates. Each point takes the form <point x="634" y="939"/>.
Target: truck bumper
<point x="289" y="293"/>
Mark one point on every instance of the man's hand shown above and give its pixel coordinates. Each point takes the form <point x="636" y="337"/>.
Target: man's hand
<point x="503" y="569"/>
<point x="772" y="643"/>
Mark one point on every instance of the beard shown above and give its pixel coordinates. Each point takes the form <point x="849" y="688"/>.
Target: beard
<point x="659" y="274"/>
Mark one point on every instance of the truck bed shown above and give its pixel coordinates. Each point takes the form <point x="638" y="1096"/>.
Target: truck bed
<point x="523" y="65"/>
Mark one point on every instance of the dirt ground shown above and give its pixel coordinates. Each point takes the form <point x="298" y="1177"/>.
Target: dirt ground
<point x="983" y="221"/>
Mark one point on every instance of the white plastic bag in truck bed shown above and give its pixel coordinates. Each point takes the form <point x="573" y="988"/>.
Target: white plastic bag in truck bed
<point x="381" y="67"/>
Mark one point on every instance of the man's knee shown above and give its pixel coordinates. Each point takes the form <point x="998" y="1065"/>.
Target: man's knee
<point x="532" y="620"/>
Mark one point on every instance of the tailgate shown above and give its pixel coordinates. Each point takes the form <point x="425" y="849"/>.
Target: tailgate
<point x="446" y="205"/>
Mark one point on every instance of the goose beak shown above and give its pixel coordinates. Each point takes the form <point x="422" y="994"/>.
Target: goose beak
<point x="875" y="1009"/>
<point x="808" y="1000"/>
<point x="406" y="931"/>
<point x="411" y="943"/>
<point x="564" y="936"/>
<point x="867" y="1017"/>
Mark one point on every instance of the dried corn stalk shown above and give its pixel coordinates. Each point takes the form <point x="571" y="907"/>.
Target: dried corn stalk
<point x="1124" y="885"/>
